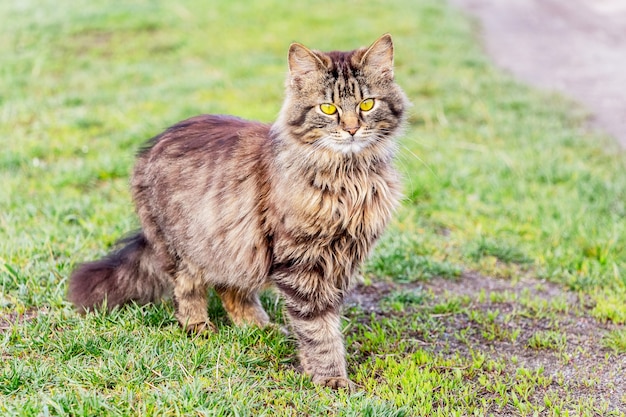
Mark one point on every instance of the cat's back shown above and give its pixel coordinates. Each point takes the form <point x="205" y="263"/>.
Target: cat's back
<point x="200" y="154"/>
<point x="208" y="137"/>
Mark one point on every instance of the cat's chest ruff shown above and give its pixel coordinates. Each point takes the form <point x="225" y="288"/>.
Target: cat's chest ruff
<point x="340" y="198"/>
<point x="354" y="205"/>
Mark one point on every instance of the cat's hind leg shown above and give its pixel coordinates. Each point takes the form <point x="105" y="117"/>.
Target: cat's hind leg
<point x="190" y="300"/>
<point x="243" y="308"/>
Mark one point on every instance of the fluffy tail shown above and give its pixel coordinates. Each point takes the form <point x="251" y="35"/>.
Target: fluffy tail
<point x="131" y="273"/>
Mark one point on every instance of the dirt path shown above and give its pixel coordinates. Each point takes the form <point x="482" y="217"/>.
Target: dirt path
<point x="576" y="47"/>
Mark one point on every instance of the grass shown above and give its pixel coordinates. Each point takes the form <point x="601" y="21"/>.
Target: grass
<point x="547" y="340"/>
<point x="499" y="289"/>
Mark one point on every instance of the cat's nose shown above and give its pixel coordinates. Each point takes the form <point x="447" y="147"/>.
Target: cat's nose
<point x="351" y="129"/>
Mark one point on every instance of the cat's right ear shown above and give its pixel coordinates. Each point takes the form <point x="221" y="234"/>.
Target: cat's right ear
<point x="303" y="62"/>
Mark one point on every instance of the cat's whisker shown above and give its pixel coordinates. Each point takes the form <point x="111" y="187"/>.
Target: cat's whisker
<point x="424" y="163"/>
<point x="408" y="175"/>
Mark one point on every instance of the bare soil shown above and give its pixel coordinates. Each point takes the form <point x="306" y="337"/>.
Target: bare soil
<point x="581" y="368"/>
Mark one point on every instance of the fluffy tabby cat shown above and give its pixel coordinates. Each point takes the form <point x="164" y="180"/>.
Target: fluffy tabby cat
<point x="237" y="206"/>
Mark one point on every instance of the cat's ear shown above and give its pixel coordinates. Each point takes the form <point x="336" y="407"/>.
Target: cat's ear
<point x="303" y="61"/>
<point x="379" y="56"/>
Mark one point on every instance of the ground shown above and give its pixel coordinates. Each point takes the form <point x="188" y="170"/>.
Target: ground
<point x="528" y="324"/>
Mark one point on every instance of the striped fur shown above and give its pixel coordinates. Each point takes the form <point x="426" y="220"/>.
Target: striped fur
<point x="237" y="206"/>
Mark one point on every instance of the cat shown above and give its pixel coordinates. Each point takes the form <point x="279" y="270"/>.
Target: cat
<point x="238" y="206"/>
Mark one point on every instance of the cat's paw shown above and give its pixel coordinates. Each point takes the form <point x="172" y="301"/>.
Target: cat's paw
<point x="201" y="328"/>
<point x="334" y="382"/>
<point x="284" y="330"/>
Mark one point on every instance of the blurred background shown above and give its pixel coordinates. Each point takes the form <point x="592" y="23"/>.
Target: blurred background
<point x="575" y="47"/>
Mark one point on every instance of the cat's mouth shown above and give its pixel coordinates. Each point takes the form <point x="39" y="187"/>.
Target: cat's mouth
<point x="347" y="145"/>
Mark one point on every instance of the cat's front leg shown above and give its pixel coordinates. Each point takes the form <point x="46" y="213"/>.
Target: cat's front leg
<point x="317" y="326"/>
<point x="321" y="349"/>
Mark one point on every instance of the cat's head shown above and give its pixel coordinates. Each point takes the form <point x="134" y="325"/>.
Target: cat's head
<point x="343" y="101"/>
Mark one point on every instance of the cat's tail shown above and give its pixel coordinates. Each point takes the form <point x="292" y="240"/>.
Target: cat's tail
<point x="128" y="274"/>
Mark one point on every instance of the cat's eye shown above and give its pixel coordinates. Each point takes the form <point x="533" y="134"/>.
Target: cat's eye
<point x="328" y="108"/>
<point x="367" y="104"/>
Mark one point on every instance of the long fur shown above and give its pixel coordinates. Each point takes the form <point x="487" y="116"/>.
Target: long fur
<point x="237" y="205"/>
<point x="112" y="281"/>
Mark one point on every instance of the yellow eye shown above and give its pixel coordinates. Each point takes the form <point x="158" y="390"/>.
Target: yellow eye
<point x="367" y="104"/>
<point x="328" y="108"/>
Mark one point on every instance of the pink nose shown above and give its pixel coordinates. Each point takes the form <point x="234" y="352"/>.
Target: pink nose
<point x="351" y="130"/>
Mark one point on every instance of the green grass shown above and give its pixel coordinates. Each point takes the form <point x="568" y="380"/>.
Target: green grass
<point x="616" y="340"/>
<point x="547" y="340"/>
<point x="501" y="182"/>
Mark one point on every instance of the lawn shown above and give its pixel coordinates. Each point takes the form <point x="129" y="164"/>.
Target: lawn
<point x="500" y="287"/>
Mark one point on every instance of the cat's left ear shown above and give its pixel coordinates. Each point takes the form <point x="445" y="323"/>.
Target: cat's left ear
<point x="379" y="57"/>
